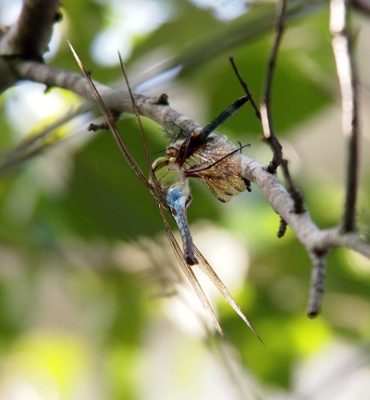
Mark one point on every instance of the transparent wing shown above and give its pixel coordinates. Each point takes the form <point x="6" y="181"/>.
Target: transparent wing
<point x="222" y="178"/>
<point x="210" y="272"/>
<point x="188" y="271"/>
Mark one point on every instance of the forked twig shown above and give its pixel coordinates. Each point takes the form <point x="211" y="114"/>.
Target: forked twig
<point x="348" y="82"/>
<point x="265" y="114"/>
<point x="246" y="88"/>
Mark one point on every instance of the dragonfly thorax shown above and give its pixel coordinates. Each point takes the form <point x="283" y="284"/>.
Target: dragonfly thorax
<point x="173" y="149"/>
<point x="171" y="176"/>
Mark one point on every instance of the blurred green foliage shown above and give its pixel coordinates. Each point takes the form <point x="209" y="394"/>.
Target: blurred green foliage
<point x="72" y="311"/>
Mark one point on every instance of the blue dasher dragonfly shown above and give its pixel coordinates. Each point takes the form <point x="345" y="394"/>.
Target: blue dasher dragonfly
<point x="168" y="185"/>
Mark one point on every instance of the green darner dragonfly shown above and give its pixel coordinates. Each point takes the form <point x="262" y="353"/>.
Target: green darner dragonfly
<point x="203" y="155"/>
<point x="161" y="182"/>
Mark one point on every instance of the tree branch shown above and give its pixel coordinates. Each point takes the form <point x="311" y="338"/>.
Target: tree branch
<point x="118" y="101"/>
<point x="266" y="114"/>
<point x="318" y="260"/>
<point x="312" y="238"/>
<point x="318" y="243"/>
<point x="29" y="37"/>
<point x="307" y="232"/>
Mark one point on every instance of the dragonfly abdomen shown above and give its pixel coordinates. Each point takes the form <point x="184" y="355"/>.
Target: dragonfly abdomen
<point x="177" y="199"/>
<point x="176" y="195"/>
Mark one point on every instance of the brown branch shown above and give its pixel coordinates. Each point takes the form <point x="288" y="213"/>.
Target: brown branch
<point x="265" y="117"/>
<point x="307" y="232"/>
<point x="362" y="5"/>
<point x="245" y="86"/>
<point x="8" y="76"/>
<point x="164" y="115"/>
<point x="54" y="77"/>
<point x="116" y="100"/>
<point x="29" y="37"/>
<point x="282" y="228"/>
<point x="348" y="84"/>
<point x="316" y="242"/>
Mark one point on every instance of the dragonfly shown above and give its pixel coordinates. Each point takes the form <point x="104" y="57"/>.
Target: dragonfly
<point x="206" y="156"/>
<point x="159" y="184"/>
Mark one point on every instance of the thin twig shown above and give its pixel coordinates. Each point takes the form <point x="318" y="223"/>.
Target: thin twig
<point x="282" y="228"/>
<point x="296" y="195"/>
<point x="348" y="84"/>
<point x="246" y="88"/>
<point x="116" y="100"/>
<point x="318" y="260"/>
<point x="266" y="115"/>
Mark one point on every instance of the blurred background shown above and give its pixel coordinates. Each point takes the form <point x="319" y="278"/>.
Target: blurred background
<point x="92" y="305"/>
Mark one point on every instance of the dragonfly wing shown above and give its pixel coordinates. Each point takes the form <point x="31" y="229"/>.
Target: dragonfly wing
<point x="223" y="188"/>
<point x="221" y="177"/>
<point x="188" y="271"/>
<point x="210" y="272"/>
